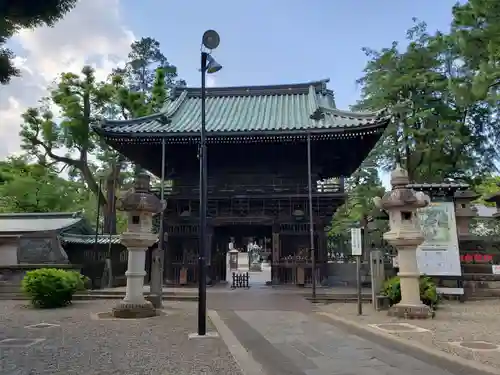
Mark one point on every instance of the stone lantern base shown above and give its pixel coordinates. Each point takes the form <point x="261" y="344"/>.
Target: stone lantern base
<point x="134" y="311"/>
<point x="410" y="311"/>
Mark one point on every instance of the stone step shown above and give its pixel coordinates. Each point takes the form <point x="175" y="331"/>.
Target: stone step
<point x="165" y="297"/>
<point x="110" y="296"/>
<point x="188" y="292"/>
<point x="338" y="298"/>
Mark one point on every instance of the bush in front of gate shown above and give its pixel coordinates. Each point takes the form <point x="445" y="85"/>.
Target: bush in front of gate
<point x="51" y="287"/>
<point x="428" y="291"/>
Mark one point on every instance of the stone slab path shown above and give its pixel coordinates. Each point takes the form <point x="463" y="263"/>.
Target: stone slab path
<point x="454" y="323"/>
<point x="297" y="343"/>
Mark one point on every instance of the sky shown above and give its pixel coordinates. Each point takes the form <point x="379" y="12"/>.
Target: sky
<point x="262" y="42"/>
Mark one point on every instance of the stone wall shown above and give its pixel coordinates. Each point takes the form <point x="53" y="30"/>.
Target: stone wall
<point x="344" y="274"/>
<point x="481" y="286"/>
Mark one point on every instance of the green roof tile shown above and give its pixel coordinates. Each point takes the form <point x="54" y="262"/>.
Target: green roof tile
<point x="89" y="239"/>
<point x="248" y="109"/>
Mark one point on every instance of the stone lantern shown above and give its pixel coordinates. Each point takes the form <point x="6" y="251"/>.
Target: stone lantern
<point x="140" y="206"/>
<point x="405" y="235"/>
<point x="464" y="210"/>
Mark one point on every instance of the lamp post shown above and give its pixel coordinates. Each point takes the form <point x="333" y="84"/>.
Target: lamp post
<point x="311" y="219"/>
<point x="210" y="41"/>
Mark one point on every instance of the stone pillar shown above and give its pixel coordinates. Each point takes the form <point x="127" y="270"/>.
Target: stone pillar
<point x="140" y="206"/>
<point x="464" y="211"/>
<point x="405" y="235"/>
<point x="276" y="255"/>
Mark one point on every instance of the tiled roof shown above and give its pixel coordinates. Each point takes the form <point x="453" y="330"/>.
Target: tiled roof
<point x="297" y="107"/>
<point x="439" y="186"/>
<point x="11" y="223"/>
<point x="89" y="239"/>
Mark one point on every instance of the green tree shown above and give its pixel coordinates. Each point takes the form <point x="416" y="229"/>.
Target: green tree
<point x="142" y="92"/>
<point x="82" y="102"/>
<point x="361" y="187"/>
<point x="28" y="187"/>
<point x="476" y="29"/>
<point x="440" y="130"/>
<point x="21" y="14"/>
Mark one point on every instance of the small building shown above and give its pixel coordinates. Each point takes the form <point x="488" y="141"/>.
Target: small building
<point x="257" y="155"/>
<point x="58" y="238"/>
<point x="27" y="237"/>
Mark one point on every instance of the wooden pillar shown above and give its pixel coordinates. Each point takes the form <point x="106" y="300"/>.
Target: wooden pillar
<point x="168" y="268"/>
<point x="276" y="255"/>
<point x="322" y="252"/>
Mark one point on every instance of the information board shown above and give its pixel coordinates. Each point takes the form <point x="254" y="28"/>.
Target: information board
<point x="356" y="239"/>
<point x="439" y="253"/>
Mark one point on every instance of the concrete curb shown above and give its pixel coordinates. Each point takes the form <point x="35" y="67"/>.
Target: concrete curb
<point x="243" y="358"/>
<point x="449" y="362"/>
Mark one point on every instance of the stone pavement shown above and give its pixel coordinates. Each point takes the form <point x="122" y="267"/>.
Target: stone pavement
<point x="263" y="331"/>
<point x="78" y="344"/>
<point x="297" y="343"/>
<point x="455" y="323"/>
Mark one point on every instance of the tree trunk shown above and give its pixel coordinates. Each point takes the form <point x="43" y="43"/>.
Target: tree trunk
<point x="112" y="184"/>
<point x="109" y="209"/>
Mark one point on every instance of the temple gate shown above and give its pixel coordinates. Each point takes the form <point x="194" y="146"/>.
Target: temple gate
<point x="257" y="171"/>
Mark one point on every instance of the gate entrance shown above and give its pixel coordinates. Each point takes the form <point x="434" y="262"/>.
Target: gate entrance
<point x="240" y="236"/>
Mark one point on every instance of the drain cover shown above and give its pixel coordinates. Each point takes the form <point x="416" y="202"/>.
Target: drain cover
<point x="478" y="345"/>
<point x="395" y="327"/>
<point x="19" y="343"/>
<point x="398" y="327"/>
<point x="42" y="325"/>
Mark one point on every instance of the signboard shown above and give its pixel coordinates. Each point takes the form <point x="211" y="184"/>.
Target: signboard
<point x="356" y="246"/>
<point x="495" y="269"/>
<point x="439" y="254"/>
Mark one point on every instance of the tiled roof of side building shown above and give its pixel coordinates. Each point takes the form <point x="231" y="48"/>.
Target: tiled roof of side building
<point x="90" y="239"/>
<point x="294" y="107"/>
<point x="11" y="223"/>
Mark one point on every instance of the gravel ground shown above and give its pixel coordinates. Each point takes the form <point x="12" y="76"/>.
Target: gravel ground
<point x="454" y="322"/>
<point x="83" y="345"/>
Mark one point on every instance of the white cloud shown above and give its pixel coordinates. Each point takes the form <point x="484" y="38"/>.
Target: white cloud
<point x="93" y="33"/>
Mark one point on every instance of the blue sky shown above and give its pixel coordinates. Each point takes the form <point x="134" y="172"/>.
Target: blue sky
<point x="262" y="42"/>
<point x="282" y="41"/>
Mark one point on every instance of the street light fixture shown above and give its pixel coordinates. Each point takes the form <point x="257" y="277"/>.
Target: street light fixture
<point x="210" y="41"/>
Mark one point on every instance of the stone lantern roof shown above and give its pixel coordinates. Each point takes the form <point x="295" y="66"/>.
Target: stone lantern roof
<point x="139" y="198"/>
<point x="466" y="195"/>
<point x="401" y="195"/>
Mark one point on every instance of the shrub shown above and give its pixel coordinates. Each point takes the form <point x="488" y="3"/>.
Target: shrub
<point x="428" y="292"/>
<point x="50" y="287"/>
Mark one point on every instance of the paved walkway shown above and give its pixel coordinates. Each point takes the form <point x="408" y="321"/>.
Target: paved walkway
<point x="469" y="323"/>
<point x="281" y="335"/>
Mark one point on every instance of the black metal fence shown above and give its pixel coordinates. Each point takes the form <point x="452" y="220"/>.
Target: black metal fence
<point x="240" y="280"/>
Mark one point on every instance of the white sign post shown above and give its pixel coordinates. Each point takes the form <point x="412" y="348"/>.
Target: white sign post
<point x="357" y="250"/>
<point x="356" y="244"/>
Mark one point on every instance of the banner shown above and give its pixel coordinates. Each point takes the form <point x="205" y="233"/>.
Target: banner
<point x="439" y="253"/>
